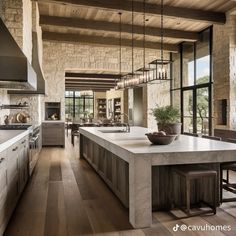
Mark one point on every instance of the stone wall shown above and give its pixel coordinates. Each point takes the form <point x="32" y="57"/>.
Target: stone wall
<point x="60" y="57"/>
<point x="27" y="29"/>
<point x="224" y="74"/>
<point x="158" y="94"/>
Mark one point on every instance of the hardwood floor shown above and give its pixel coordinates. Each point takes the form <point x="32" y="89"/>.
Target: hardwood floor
<point x="65" y="197"/>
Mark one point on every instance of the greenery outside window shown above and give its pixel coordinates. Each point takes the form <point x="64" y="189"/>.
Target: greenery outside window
<point x="79" y="105"/>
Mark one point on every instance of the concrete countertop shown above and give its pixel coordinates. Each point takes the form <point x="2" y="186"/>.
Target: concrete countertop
<point x="185" y="150"/>
<point x="9" y="137"/>
<point x="53" y="121"/>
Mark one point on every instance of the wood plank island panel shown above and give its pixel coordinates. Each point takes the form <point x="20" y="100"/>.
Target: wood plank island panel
<point x="167" y="189"/>
<point x="134" y="148"/>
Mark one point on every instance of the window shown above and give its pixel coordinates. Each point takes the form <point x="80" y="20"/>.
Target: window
<point x="79" y="105"/>
<point x="191" y="87"/>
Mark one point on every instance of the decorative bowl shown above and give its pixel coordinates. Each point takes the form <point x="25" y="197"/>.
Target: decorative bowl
<point x="161" y="140"/>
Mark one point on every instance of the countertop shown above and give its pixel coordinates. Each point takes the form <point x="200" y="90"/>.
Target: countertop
<point x="53" y="121"/>
<point x="9" y="137"/>
<point x="187" y="149"/>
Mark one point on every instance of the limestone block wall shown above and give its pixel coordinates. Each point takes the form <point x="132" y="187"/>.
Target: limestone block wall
<point x="224" y="74"/>
<point x="27" y="29"/>
<point x="60" y="57"/>
<point x="12" y="15"/>
<point x="158" y="94"/>
<point x="232" y="69"/>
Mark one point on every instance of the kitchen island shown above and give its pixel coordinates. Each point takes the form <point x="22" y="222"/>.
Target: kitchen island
<point x="127" y="162"/>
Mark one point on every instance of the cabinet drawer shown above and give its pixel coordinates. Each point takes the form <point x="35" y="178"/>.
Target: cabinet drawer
<point x="13" y="192"/>
<point x="12" y="168"/>
<point x="57" y="125"/>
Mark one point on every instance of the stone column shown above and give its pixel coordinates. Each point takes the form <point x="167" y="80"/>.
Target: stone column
<point x="140" y="192"/>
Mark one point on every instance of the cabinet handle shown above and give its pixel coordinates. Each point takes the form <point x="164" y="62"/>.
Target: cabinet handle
<point x="14" y="149"/>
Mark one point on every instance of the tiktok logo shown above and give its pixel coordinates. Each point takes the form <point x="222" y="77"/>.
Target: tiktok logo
<point x="175" y="228"/>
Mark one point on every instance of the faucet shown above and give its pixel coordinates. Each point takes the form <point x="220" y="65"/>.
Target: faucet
<point x="126" y="124"/>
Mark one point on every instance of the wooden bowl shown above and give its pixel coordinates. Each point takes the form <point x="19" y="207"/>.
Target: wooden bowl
<point x="161" y="140"/>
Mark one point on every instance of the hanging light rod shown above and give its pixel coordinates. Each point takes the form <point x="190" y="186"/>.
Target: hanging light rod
<point x="157" y="70"/>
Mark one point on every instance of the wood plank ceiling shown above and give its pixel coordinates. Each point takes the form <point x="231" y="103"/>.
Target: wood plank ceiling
<point x="97" y="22"/>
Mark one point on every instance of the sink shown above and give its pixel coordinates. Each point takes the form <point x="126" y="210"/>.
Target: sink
<point x="113" y="131"/>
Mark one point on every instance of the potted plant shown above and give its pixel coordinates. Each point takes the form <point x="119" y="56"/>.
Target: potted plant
<point x="167" y="118"/>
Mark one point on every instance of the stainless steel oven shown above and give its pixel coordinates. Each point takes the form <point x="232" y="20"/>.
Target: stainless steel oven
<point x="35" y="147"/>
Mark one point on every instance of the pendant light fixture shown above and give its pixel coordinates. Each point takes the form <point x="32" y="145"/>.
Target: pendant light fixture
<point x="162" y="65"/>
<point x="156" y="70"/>
<point x="162" y="71"/>
<point x="130" y="78"/>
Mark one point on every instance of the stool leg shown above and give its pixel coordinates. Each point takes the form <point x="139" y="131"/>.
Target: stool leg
<point x="227" y="176"/>
<point x="221" y="185"/>
<point x="215" y="195"/>
<point x="188" y="195"/>
<point x="72" y="139"/>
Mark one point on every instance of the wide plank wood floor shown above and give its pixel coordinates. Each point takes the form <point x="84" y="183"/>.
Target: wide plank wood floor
<point x="65" y="197"/>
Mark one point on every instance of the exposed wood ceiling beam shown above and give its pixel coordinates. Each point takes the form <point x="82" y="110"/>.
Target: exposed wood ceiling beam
<point x="151" y="9"/>
<point x="108" y="41"/>
<point x="114" y="27"/>
<point x="82" y="89"/>
<point x="91" y="75"/>
<point x="89" y="82"/>
<point x="87" y="87"/>
<point x="92" y="85"/>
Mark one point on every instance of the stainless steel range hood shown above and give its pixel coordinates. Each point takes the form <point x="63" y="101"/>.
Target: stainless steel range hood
<point x="15" y="70"/>
<point x="36" y="65"/>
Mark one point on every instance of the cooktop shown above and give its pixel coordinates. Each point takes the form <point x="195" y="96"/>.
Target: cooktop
<point x="14" y="127"/>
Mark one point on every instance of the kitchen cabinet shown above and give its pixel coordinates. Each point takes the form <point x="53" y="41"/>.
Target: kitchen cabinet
<point x="112" y="169"/>
<point x="13" y="178"/>
<point x="3" y="192"/>
<point x="35" y="146"/>
<point x="53" y="134"/>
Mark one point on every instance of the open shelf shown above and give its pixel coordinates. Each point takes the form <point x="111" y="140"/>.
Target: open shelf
<point x="8" y="106"/>
<point x="101" y="107"/>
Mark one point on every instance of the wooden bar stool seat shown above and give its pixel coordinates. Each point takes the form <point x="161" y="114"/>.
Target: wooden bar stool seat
<point x="189" y="173"/>
<point x="225" y="182"/>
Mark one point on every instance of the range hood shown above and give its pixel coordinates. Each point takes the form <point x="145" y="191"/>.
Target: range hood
<point x="15" y="70"/>
<point x="36" y="65"/>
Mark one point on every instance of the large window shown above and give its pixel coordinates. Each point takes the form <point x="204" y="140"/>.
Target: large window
<point x="79" y="104"/>
<point x="192" y="84"/>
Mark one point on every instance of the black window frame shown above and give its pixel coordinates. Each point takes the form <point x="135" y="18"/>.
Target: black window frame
<point x="196" y="86"/>
<point x="83" y="98"/>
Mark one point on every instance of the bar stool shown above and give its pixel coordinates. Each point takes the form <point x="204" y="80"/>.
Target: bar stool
<point x="225" y="183"/>
<point x="189" y="173"/>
